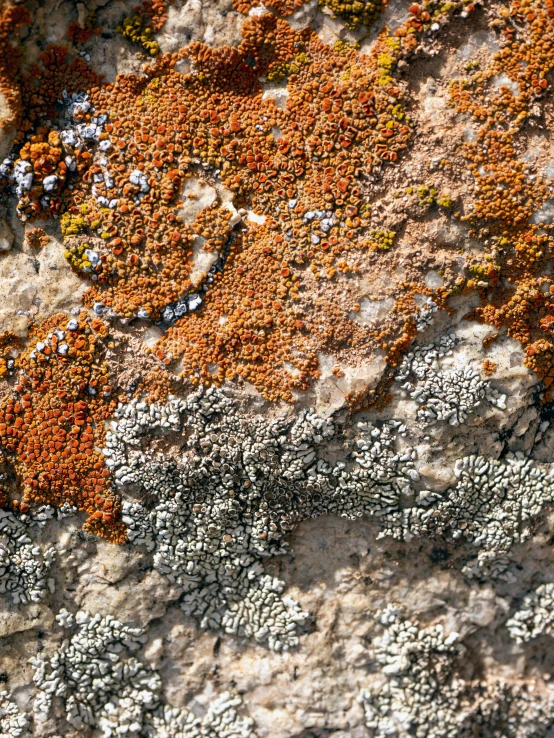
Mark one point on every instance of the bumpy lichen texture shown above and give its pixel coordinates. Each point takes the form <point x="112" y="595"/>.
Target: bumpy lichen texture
<point x="240" y="508"/>
<point x="359" y="12"/>
<point x="318" y="270"/>
<point x="423" y="694"/>
<point x="151" y="133"/>
<point x="95" y="653"/>
<point x="51" y="420"/>
<point x="507" y="193"/>
<point x="12" y="18"/>
<point x="281" y="7"/>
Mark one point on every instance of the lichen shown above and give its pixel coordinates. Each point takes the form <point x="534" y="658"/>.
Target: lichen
<point x="423" y="694"/>
<point x="103" y="686"/>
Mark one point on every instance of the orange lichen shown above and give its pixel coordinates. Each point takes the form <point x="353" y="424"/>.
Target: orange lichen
<point x="37" y="238"/>
<point x="330" y="129"/>
<point x="9" y="348"/>
<point x="12" y="17"/>
<point x="155" y="11"/>
<point x="83" y="30"/>
<point x="80" y="34"/>
<point x="281" y="7"/>
<point x="343" y="118"/>
<point x="506" y="194"/>
<point x="41" y="89"/>
<point x="52" y="422"/>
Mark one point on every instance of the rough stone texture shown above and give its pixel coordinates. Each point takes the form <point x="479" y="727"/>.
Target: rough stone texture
<point x="36" y="284"/>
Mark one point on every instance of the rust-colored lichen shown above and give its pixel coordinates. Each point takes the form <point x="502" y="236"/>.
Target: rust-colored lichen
<point x="155" y="11"/>
<point x="12" y="18"/>
<point x="506" y="194"/>
<point x="298" y="168"/>
<point x="52" y="422"/>
<point x="281" y="7"/>
<point x="9" y="348"/>
<point x="37" y="238"/>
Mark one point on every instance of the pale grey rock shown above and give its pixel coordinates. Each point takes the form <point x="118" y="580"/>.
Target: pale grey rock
<point x="215" y="23"/>
<point x="127" y="596"/>
<point x="6" y="236"/>
<point x="36" y="285"/>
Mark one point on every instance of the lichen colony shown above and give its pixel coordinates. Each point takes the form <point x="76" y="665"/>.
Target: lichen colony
<point x="276" y="368"/>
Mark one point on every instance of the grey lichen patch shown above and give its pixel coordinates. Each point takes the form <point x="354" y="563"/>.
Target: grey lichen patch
<point x="100" y="685"/>
<point x="535" y="616"/>
<point x="422" y="693"/>
<point x="426" y="314"/>
<point x="104" y="686"/>
<point x="239" y="485"/>
<point x="492" y="505"/>
<point x="24" y="563"/>
<point x="13" y="722"/>
<point x="230" y="486"/>
<point x="447" y="396"/>
<point x="222" y="719"/>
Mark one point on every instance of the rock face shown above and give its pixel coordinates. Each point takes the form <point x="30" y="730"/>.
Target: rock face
<point x="276" y="367"/>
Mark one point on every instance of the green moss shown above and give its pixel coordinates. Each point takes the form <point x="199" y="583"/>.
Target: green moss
<point x="342" y="48"/>
<point x="398" y="112"/>
<point x="279" y="71"/>
<point x="457" y="287"/>
<point x="427" y="195"/>
<point x="386" y="61"/>
<point x="393" y="43"/>
<point x="77" y="257"/>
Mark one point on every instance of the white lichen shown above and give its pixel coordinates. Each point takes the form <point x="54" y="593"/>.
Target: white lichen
<point x="100" y="683"/>
<point x="491" y="505"/>
<point x="231" y="486"/>
<point x="535" y="616"/>
<point x="103" y="686"/>
<point x="13" y="722"/>
<point x="426" y="315"/>
<point x="444" y="396"/>
<point x="239" y="485"/>
<point x="422" y="695"/>
<point x="222" y="720"/>
<point x="24" y="564"/>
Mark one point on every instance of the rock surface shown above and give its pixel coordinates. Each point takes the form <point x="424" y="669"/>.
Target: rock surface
<point x="276" y="309"/>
